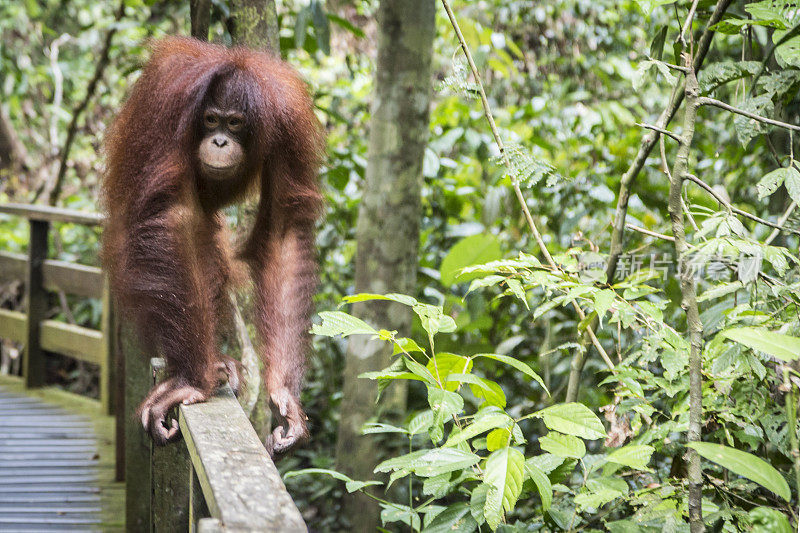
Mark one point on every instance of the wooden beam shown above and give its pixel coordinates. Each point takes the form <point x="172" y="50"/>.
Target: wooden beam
<point x="239" y="481"/>
<point x="80" y="343"/>
<point x="71" y="278"/>
<point x="52" y="214"/>
<point x="36" y="298"/>
<point x="138" y="485"/>
<point x="12" y="266"/>
<point x="13" y="325"/>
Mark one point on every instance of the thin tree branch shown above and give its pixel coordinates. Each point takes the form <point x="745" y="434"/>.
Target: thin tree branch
<point x="673" y="136"/>
<point x="722" y="105"/>
<point x="650" y="233"/>
<point x="781" y="221"/>
<point x="72" y="130"/>
<point x="689" y="300"/>
<point x="735" y="209"/>
<point x="520" y="198"/>
<point x="687" y="26"/>
<point x="627" y="180"/>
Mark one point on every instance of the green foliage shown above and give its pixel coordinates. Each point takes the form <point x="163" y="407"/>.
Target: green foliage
<point x="478" y="455"/>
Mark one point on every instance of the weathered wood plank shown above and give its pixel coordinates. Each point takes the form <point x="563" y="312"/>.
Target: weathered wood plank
<point x="171" y="478"/>
<point x="13" y="325"/>
<point x="12" y="266"/>
<point x="36" y="297"/>
<point x="71" y="278"/>
<point x="52" y="214"/>
<point x="81" y="343"/>
<point x="240" y="483"/>
<point x="108" y="365"/>
<point x="138" y="380"/>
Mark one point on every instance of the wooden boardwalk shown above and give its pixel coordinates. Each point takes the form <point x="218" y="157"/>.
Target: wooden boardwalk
<point x="55" y="469"/>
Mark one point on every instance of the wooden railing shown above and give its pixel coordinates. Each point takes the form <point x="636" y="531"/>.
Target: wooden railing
<point x="219" y="478"/>
<point x="40" y="275"/>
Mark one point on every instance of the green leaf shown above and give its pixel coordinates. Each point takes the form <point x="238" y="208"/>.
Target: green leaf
<point x="596" y="499"/>
<point x="746" y="465"/>
<point x="472" y="250"/>
<point x="649" y="5"/>
<point x="350" y="484"/>
<point x="542" y="484"/>
<point x="768" y="520"/>
<point x="516" y="363"/>
<point x="489" y="391"/>
<point x="441" y="460"/>
<point x="515" y="286"/>
<point x="634" y="456"/>
<point x="504" y="473"/>
<point x="526" y="168"/>
<point x="337" y="323"/>
<point x="784" y="347"/>
<point x="443" y="364"/>
<point x="400" y="513"/>
<point x="433" y="319"/>
<point x="421" y="422"/>
<point x="392" y="297"/>
<point x="771" y="181"/>
<point x="497" y="438"/>
<point x="563" y="445"/>
<point x="478" y="426"/>
<point x="657" y="46"/>
<point x="602" y="302"/>
<point x="322" y="27"/>
<point x="573" y="419"/>
<point x="376" y="427"/>
<point x="444" y="404"/>
<point x="792" y="182"/>
<point x="723" y="72"/>
<point x="748" y="128"/>
<point x="455" y="519"/>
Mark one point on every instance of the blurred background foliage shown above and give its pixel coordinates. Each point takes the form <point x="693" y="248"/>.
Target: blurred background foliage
<point x="564" y="82"/>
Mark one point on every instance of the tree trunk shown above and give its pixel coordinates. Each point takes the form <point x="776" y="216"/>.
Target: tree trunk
<point x="12" y="151"/>
<point x="388" y="226"/>
<point x="256" y="26"/>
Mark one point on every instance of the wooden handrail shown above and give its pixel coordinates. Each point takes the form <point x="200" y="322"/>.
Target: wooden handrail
<point x="52" y="214"/>
<point x="218" y="478"/>
<point x="240" y="484"/>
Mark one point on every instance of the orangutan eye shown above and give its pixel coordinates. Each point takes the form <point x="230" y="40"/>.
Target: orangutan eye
<point x="235" y="123"/>
<point x="211" y="120"/>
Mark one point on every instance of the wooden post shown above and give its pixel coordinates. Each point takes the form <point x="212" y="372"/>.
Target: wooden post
<point x="36" y="296"/>
<point x="108" y="367"/>
<point x="171" y="478"/>
<point x="198" y="510"/>
<point x="138" y="486"/>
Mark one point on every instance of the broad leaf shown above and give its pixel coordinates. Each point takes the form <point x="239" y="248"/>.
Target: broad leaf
<point x="337" y="323"/>
<point x="471" y="250"/>
<point x="455" y="519"/>
<point x="504" y="473"/>
<point x="783" y="347"/>
<point x="634" y="456"/>
<point x="478" y="426"/>
<point x="542" y="484"/>
<point x="516" y="363"/>
<point x="563" y="445"/>
<point x="573" y="419"/>
<point x="746" y="465"/>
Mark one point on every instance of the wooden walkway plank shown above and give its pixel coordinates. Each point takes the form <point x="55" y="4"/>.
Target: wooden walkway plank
<point x="56" y="462"/>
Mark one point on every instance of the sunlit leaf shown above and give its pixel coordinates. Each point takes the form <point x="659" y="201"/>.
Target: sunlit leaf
<point x="746" y="465"/>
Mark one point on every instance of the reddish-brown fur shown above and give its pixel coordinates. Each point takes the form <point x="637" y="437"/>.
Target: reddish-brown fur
<point x="164" y="244"/>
